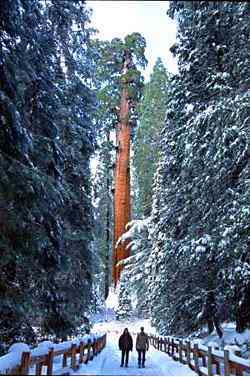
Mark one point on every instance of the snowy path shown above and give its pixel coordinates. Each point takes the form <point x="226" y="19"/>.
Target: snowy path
<point x="108" y="363"/>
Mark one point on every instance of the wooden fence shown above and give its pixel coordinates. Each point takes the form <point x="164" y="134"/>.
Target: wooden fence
<point x="43" y="364"/>
<point x="205" y="361"/>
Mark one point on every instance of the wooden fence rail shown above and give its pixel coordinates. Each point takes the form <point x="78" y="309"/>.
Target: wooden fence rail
<point x="76" y="355"/>
<point x="205" y="361"/>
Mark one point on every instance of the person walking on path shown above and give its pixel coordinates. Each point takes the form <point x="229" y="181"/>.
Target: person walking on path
<point x="125" y="345"/>
<point x="142" y="345"/>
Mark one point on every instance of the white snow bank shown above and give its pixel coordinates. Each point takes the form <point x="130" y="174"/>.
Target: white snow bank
<point x="9" y="361"/>
<point x="232" y="348"/>
<point x="42" y="348"/>
<point x="13" y="357"/>
<point x="19" y="347"/>
<point x="212" y="344"/>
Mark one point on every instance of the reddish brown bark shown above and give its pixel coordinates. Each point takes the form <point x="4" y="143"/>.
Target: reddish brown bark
<point x="122" y="180"/>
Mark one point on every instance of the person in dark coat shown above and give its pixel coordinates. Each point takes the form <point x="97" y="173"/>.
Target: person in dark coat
<point x="142" y="345"/>
<point x="125" y="345"/>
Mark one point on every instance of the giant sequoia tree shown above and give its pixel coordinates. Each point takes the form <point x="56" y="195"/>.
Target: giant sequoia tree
<point x="146" y="146"/>
<point x="119" y="85"/>
<point x="46" y="138"/>
<point x="200" y="234"/>
<point x="133" y="52"/>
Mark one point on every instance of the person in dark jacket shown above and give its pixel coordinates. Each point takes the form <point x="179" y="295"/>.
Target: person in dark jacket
<point x="142" y="345"/>
<point x="125" y="345"/>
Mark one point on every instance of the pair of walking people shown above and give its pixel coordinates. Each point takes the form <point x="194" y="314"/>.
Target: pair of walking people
<point x="126" y="345"/>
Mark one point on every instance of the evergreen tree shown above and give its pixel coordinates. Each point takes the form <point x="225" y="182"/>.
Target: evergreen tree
<point x="200" y="262"/>
<point x="124" y="310"/>
<point x="152" y="109"/>
<point x="136" y="266"/>
<point x="47" y="137"/>
<point x="104" y="211"/>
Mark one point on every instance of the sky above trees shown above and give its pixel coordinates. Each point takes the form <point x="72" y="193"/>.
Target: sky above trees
<point x="119" y="18"/>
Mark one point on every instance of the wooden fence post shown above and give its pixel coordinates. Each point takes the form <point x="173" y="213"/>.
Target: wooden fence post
<point x="100" y="345"/>
<point x="226" y="363"/>
<point x="165" y="345"/>
<point x="25" y="360"/>
<point x="91" y="353"/>
<point x="180" y="351"/>
<point x="217" y="366"/>
<point x="50" y="357"/>
<point x="73" y="357"/>
<point x="209" y="361"/>
<point x="168" y="346"/>
<point x="204" y="360"/>
<point x="64" y="362"/>
<point x="81" y="353"/>
<point x="196" y="359"/>
<point x="172" y="344"/>
<point x="95" y="347"/>
<point x="38" y="370"/>
<point x="188" y="353"/>
<point x="98" y="342"/>
<point x="238" y="370"/>
<point x="88" y="351"/>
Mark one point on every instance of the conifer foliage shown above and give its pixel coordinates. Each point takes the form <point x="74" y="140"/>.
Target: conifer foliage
<point x="152" y="110"/>
<point x="200" y="256"/>
<point x="46" y="138"/>
<point x="124" y="310"/>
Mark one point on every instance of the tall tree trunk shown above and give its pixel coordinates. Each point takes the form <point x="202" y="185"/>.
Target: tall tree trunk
<point x="122" y="178"/>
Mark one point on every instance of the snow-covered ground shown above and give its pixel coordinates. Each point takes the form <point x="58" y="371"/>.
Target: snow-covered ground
<point x="108" y="361"/>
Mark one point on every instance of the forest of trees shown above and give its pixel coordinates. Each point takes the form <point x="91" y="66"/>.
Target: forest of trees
<point x="47" y="137"/>
<point x="196" y="259"/>
<point x="59" y="91"/>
